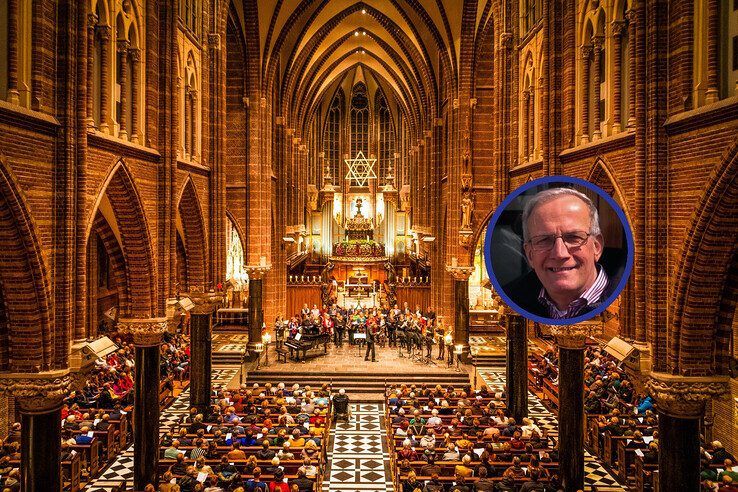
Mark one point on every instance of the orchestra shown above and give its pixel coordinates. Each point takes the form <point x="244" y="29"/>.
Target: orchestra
<point x="403" y="329"/>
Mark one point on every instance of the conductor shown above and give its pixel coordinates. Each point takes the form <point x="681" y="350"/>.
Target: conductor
<point x="371" y="335"/>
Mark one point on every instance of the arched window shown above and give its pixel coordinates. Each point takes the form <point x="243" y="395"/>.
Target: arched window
<point x="532" y="12"/>
<point x="386" y="136"/>
<point x="116" y="77"/>
<point x="235" y="261"/>
<point x="332" y="138"/>
<point x="190" y="114"/>
<point x="190" y="13"/>
<point x="527" y="112"/>
<point x="359" y="120"/>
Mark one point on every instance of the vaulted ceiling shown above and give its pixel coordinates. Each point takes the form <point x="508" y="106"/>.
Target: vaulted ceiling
<point x="410" y="47"/>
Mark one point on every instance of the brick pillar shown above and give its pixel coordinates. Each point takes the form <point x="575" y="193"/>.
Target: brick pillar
<point x="39" y="397"/>
<point x="680" y="404"/>
<point x="631" y="16"/>
<point x="713" y="31"/>
<point x="147" y="336"/>
<point x="571" y="341"/>
<point x="597" y="50"/>
<point x="13" y="94"/>
<point x="135" y="71"/>
<point x="104" y="32"/>
<point x="618" y="29"/>
<point x="586" y="53"/>
<point x="531" y="125"/>
<point x="123" y="46"/>
<point x="256" y="307"/>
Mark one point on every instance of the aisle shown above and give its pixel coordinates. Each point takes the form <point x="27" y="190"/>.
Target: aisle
<point x="594" y="473"/>
<point x="122" y="468"/>
<point x="358" y="457"/>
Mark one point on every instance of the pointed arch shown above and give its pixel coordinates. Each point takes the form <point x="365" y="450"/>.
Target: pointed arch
<point x="136" y="242"/>
<point x="24" y="285"/>
<point x="193" y="225"/>
<point x="701" y="287"/>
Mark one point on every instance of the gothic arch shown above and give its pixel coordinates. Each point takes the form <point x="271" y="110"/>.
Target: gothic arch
<point x="24" y="285"/>
<point x="700" y="286"/>
<point x="190" y="213"/>
<point x="136" y="241"/>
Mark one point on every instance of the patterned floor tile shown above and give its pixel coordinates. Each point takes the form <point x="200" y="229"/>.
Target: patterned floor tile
<point x="594" y="473"/>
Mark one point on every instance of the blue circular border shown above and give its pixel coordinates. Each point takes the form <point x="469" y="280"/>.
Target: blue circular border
<point x="559" y="179"/>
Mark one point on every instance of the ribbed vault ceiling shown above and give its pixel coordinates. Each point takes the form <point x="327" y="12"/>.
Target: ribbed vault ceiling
<point x="407" y="46"/>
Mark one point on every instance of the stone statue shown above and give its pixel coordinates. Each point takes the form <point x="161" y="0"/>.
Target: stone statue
<point x="467" y="208"/>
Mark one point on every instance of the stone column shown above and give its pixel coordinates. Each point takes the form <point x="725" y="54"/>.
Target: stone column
<point x="597" y="50"/>
<point x="631" y="16"/>
<point x="39" y="397"/>
<point x="713" y="33"/>
<point x="104" y="33"/>
<point x="618" y="29"/>
<point x="147" y="336"/>
<point x="13" y="94"/>
<point x="461" y="276"/>
<point x="123" y="46"/>
<point x="586" y="53"/>
<point x="517" y="367"/>
<point x="571" y="342"/>
<point x="135" y="78"/>
<point x="91" y="23"/>
<point x="531" y="122"/>
<point x="256" y="308"/>
<point x="201" y="318"/>
<point x="193" y="124"/>
<point x="680" y="404"/>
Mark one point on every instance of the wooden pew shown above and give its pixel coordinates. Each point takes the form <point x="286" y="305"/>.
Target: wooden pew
<point x="89" y="456"/>
<point x="626" y="459"/>
<point x="71" y="472"/>
<point x="644" y="475"/>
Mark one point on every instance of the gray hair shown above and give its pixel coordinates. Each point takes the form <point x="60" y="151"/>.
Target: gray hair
<point x="550" y="194"/>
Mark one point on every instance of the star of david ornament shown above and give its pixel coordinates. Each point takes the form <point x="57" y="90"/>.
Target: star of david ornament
<point x="360" y="169"/>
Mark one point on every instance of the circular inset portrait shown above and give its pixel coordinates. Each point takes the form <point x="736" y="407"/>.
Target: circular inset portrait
<point x="559" y="250"/>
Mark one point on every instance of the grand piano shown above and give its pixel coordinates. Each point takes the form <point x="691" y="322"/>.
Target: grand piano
<point x="307" y="342"/>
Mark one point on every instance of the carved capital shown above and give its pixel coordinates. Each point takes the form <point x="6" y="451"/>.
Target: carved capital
<point x="257" y="272"/>
<point x="575" y="336"/>
<point x="618" y="28"/>
<point x="146" y="332"/>
<point x="92" y="20"/>
<point x="631" y="15"/>
<point x="586" y="51"/>
<point x="123" y="45"/>
<point x="37" y="393"/>
<point x="205" y="302"/>
<point x="460" y="273"/>
<point x="135" y="54"/>
<point x="597" y="42"/>
<point x="214" y="41"/>
<point x="684" y="397"/>
<point x="506" y="39"/>
<point x="104" y="32"/>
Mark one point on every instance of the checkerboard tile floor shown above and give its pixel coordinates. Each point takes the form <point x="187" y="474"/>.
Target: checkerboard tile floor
<point x="358" y="458"/>
<point x="594" y="473"/>
<point x="122" y="467"/>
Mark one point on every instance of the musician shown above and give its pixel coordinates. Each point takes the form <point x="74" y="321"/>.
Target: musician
<point x="371" y="334"/>
<point x="339" y="327"/>
<point x="392" y="327"/>
<point x="440" y="333"/>
<point x="305" y="311"/>
<point x="429" y="341"/>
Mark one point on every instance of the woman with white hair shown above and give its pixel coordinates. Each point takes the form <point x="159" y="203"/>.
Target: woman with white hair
<point x="529" y="426"/>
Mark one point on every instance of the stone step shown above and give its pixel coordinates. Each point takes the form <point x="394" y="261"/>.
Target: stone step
<point x="226" y="358"/>
<point x="490" y="360"/>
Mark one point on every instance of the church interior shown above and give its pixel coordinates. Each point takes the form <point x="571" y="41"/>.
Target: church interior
<point x="215" y="211"/>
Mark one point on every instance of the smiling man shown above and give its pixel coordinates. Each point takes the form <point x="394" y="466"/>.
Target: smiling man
<point x="563" y="244"/>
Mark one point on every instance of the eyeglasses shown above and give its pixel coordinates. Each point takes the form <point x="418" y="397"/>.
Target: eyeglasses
<point x="572" y="240"/>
